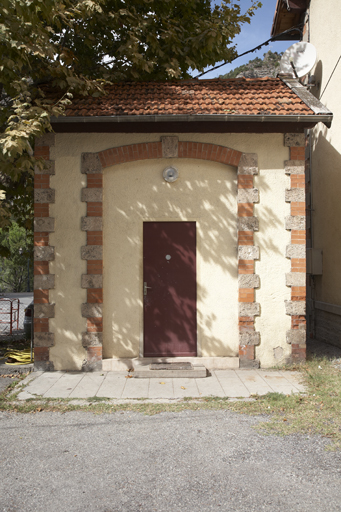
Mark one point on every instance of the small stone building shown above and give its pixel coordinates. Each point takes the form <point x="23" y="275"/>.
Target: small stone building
<point x="170" y="223"/>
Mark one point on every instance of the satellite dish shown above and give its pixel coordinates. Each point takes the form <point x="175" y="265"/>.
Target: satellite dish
<point x="298" y="59"/>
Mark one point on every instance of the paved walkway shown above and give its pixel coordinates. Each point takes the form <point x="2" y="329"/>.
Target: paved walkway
<point x="120" y="385"/>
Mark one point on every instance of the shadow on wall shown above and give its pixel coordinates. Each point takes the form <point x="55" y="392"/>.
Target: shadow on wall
<point x="134" y="196"/>
<point x="318" y="74"/>
<point x="326" y="212"/>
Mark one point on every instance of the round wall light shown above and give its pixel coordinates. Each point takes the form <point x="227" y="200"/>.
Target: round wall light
<point x="170" y="174"/>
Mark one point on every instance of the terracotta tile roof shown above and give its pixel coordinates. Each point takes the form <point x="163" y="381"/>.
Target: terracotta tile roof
<point x="242" y="96"/>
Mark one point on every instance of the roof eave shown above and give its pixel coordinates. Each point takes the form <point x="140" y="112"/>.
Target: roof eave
<point x="309" y="99"/>
<point x="285" y="18"/>
<point x="325" y="118"/>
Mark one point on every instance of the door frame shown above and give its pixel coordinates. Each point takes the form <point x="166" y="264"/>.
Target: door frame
<point x="198" y="262"/>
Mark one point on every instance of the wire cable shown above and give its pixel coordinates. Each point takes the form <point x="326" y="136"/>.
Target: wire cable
<point x="329" y="79"/>
<point x="274" y="38"/>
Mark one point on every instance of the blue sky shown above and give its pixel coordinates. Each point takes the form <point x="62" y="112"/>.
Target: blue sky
<point x="252" y="35"/>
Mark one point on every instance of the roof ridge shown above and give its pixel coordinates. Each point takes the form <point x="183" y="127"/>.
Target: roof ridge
<point x="199" y="81"/>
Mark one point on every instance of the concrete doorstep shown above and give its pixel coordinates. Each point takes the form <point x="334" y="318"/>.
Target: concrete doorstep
<point x="176" y="370"/>
<point x="232" y="384"/>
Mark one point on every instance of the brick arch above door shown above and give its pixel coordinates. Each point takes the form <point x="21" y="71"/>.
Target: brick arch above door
<point x="92" y="164"/>
<point x="169" y="147"/>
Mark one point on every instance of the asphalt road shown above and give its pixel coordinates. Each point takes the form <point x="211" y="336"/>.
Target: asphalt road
<point x="188" y="462"/>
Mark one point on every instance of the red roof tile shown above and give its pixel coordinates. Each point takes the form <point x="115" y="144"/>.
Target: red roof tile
<point x="242" y="96"/>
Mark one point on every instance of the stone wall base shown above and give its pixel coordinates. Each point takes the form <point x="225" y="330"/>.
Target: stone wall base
<point x="211" y="363"/>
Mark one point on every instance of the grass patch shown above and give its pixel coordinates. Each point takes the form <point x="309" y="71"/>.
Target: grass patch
<point x="8" y="393"/>
<point x="318" y="411"/>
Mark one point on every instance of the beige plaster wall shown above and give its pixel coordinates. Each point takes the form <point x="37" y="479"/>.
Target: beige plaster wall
<point x="272" y="266"/>
<point x="326" y="161"/>
<point x="205" y="193"/>
<point x="68" y="324"/>
<point x="215" y="186"/>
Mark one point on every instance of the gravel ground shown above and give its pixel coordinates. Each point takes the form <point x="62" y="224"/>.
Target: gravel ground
<point x="190" y="461"/>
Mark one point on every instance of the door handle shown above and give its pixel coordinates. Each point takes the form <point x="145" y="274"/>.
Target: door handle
<point x="145" y="288"/>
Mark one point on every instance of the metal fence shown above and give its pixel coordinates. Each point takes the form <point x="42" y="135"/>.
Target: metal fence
<point x="12" y="314"/>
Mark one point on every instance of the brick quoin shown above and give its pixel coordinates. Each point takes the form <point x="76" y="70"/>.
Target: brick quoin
<point x="297" y="153"/>
<point x="94" y="267"/>
<point x="41" y="239"/>
<point x="297" y="321"/>
<point x="94" y="354"/>
<point x="94" y="209"/>
<point x="246" y="324"/>
<point x="247" y="352"/>
<point x="41" y="296"/>
<point x="298" y="293"/>
<point x="298" y="209"/>
<point x="245" y="181"/>
<point x="298" y="237"/>
<point x="245" y="209"/>
<point x="41" y="267"/>
<point x="95" y="324"/>
<point x="41" y="181"/>
<point x="95" y="180"/>
<point x="41" y="209"/>
<point x="245" y="237"/>
<point x="94" y="237"/>
<point x="298" y="265"/>
<point x="41" y="354"/>
<point x="298" y="352"/>
<point x="95" y="295"/>
<point x="297" y="181"/>
<point x="41" y="325"/>
<point x="42" y="152"/>
<point x="246" y="295"/>
<point x="246" y="267"/>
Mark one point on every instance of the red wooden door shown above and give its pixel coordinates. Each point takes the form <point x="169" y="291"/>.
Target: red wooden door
<point x="170" y="290"/>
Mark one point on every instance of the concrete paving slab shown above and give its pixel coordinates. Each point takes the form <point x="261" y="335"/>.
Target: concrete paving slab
<point x="210" y="386"/>
<point x="161" y="388"/>
<point x="136" y="388"/>
<point x="24" y="395"/>
<point x="232" y="385"/>
<point x="277" y="382"/>
<point x="294" y="378"/>
<point x="88" y="386"/>
<point x="254" y="382"/>
<point x="43" y="382"/>
<point x="186" y="387"/>
<point x="65" y="385"/>
<point x="113" y="385"/>
<point x="116" y="385"/>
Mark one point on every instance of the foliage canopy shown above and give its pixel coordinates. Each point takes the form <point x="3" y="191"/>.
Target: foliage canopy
<point x="75" y="46"/>
<point x="17" y="267"/>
